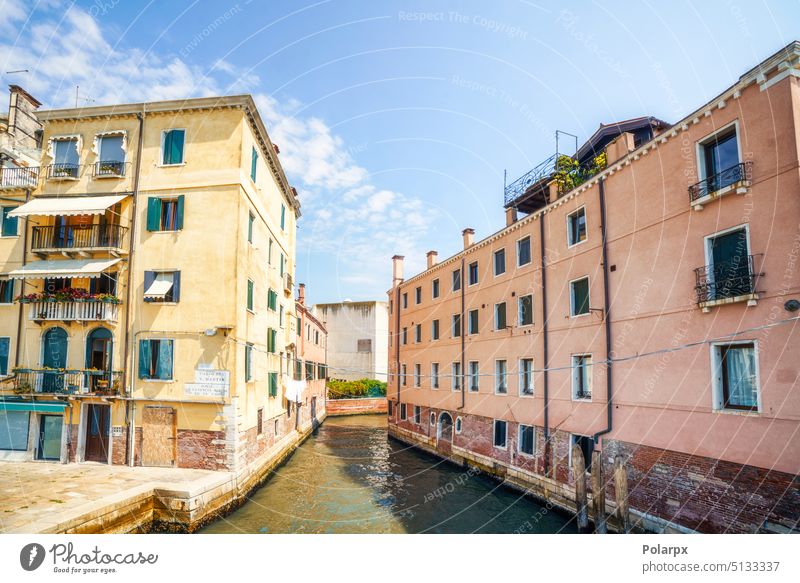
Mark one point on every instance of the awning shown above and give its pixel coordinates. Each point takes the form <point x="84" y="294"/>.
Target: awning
<point x="159" y="288"/>
<point x="67" y="206"/>
<point x="62" y="268"/>
<point x="34" y="406"/>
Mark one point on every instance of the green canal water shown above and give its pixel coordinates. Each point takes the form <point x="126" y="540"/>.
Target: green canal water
<point x="349" y="477"/>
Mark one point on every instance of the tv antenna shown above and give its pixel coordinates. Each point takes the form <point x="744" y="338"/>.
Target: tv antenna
<point x="78" y="98"/>
<point x="17" y="71"/>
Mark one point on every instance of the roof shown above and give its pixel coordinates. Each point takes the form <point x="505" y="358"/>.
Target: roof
<point x="612" y="130"/>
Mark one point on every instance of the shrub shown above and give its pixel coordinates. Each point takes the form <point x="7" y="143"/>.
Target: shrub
<point x="353" y="389"/>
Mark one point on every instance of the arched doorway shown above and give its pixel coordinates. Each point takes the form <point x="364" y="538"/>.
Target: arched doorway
<point x="98" y="354"/>
<point x="54" y="356"/>
<point x="444" y="431"/>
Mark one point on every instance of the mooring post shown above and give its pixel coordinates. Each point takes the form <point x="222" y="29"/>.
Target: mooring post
<point x="579" y="472"/>
<point x="621" y="488"/>
<point x="598" y="494"/>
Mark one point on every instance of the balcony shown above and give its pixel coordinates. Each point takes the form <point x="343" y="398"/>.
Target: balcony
<point x="69" y="382"/>
<point x="288" y="283"/>
<point x="110" y="169"/>
<point x="63" y="171"/>
<point x="88" y="310"/>
<point x="727" y="283"/>
<point x="19" y="178"/>
<point x="736" y="178"/>
<point x="77" y="237"/>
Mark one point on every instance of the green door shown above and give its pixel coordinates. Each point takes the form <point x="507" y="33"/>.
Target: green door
<point x="731" y="265"/>
<point x="54" y="356"/>
<point x="50" y="437"/>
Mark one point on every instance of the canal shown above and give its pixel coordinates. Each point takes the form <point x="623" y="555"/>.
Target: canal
<point x="350" y="477"/>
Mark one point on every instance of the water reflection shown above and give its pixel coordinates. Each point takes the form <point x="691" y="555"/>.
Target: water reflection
<point x="350" y="478"/>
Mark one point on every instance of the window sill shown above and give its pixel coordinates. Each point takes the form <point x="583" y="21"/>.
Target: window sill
<point x="165" y="231"/>
<point x="740" y="412"/>
<point x="171" y="165"/>
<point x="9" y="236"/>
<point x="751" y="299"/>
<point x="500" y="447"/>
<point x="63" y="178"/>
<point x="251" y="311"/>
<point x="579" y="315"/>
<point x="526" y="395"/>
<point x="165" y="381"/>
<point x="740" y="187"/>
<point x="582" y="399"/>
<point x="577" y="244"/>
<point x="107" y="176"/>
<point x="501" y="394"/>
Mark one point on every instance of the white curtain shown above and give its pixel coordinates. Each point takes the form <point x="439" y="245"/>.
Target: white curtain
<point x="741" y="371"/>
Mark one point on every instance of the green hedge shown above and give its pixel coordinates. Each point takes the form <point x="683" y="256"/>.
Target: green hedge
<point x="355" y="389"/>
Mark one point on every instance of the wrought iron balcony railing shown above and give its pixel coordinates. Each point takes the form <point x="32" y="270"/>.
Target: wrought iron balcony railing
<point x="78" y="381"/>
<point x="730" y="279"/>
<point x="110" y="169"/>
<point x="77" y="237"/>
<point x="11" y="178"/>
<point x="73" y="311"/>
<point x="727" y="177"/>
<point x="63" y="171"/>
<point x="517" y="188"/>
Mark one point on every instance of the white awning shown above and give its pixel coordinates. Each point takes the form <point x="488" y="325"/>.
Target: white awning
<point x="63" y="268"/>
<point x="160" y="287"/>
<point x="67" y="206"/>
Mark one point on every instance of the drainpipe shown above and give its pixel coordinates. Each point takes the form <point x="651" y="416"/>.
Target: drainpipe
<point x="397" y="279"/>
<point x="20" y="315"/>
<point x="606" y="314"/>
<point x="129" y="412"/>
<point x="545" y="392"/>
<point x="463" y="335"/>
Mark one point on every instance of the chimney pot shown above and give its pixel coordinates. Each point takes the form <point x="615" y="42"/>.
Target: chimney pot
<point x="301" y="293"/>
<point x="397" y="270"/>
<point x="511" y="216"/>
<point x="432" y="258"/>
<point x="468" y="235"/>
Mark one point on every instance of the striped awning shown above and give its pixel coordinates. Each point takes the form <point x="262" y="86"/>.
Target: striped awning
<point x="63" y="268"/>
<point x="67" y="206"/>
<point x="34" y="406"/>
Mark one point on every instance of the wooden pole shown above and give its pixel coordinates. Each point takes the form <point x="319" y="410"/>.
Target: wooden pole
<point x="621" y="488"/>
<point x="579" y="472"/>
<point x="598" y="494"/>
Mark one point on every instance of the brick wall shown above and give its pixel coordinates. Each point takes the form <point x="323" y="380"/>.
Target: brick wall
<point x="355" y="406"/>
<point x="203" y="450"/>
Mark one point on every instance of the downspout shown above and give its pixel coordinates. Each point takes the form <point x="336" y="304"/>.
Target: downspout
<point x="545" y="387"/>
<point x="397" y="341"/>
<point x="463" y="336"/>
<point x="606" y="315"/>
<point x="22" y="285"/>
<point x="126" y="386"/>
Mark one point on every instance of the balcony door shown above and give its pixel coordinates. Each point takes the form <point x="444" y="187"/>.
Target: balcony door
<point x="730" y="260"/>
<point x="98" y="356"/>
<point x="54" y="356"/>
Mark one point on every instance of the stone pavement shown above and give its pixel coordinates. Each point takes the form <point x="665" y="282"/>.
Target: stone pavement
<point x="39" y="497"/>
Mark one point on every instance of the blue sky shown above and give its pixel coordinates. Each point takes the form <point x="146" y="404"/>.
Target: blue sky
<point x="397" y="119"/>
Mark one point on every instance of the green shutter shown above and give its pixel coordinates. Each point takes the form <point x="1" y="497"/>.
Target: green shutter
<point x="175" y="150"/>
<point x="166" y="148"/>
<point x="283" y="216"/>
<point x="179" y="214"/>
<point x="5" y="344"/>
<point x="248" y="362"/>
<point x="144" y="359"/>
<point x="281" y="264"/>
<point x="154" y="213"/>
<point x="10" y="224"/>
<point x="249" y="294"/>
<point x="250" y="220"/>
<point x="273" y="384"/>
<point x="253" y="165"/>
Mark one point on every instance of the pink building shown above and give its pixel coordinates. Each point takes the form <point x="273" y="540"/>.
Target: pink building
<point x="641" y="301"/>
<point x="311" y="350"/>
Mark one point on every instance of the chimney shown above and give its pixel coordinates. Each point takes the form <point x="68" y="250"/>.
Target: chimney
<point x="511" y="216"/>
<point x="467" y="234"/>
<point x="433" y="257"/>
<point x="397" y="270"/>
<point x="301" y="294"/>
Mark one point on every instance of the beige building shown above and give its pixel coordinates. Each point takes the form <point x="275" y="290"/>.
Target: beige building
<point x="158" y="325"/>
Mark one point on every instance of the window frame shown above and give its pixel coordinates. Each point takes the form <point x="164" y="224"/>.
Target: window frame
<point x="574" y="372"/>
<point x="718" y="388"/>
<point x="530" y="251"/>
<point x="460" y="278"/>
<point x="9" y="286"/>
<point x="453" y="326"/>
<point x="519" y="380"/>
<point x="505" y="316"/>
<point x="250" y="301"/>
<point x="418" y="295"/>
<point x="435" y="376"/>
<point x="418" y="334"/>
<point x="497" y="376"/>
<point x="570" y="244"/>
<point x="588" y="311"/>
<point x="4" y="217"/>
<point x="495" y="424"/>
<point x="519" y="311"/>
<point x="708" y="249"/>
<point x="457" y="376"/>
<point x="435" y="288"/>
<point x="417" y="375"/>
<point x="700" y="147"/>
<point x="435" y="329"/>
<point x="494" y="262"/>
<point x="520" y="427"/>
<point x="171" y="378"/>
<point x="477" y="314"/>
<point x="473" y="268"/>
<point x="474" y="376"/>
<point x="183" y="148"/>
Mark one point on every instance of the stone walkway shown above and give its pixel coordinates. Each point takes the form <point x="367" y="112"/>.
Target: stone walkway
<point x="37" y="497"/>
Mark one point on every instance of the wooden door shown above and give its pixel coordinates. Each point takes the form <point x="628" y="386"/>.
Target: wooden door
<point x="98" y="420"/>
<point x="159" y="436"/>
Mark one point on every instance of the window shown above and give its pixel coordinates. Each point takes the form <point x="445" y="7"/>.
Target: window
<point x="272" y="300"/>
<point x="282" y="264"/>
<point x="272" y="340"/>
<point x="500" y="316"/>
<point x="417" y="375"/>
<point x="403" y="374"/>
<point x="418" y="295"/>
<point x="165" y="214"/>
<point x="526" y="310"/>
<point x="111" y="160"/>
<point x="281" y="314"/>
<point x="500" y="262"/>
<point x="523" y="251"/>
<point x="5" y="347"/>
<point x="269" y="252"/>
<point x="457" y="326"/>
<point x="248" y="362"/>
<point x="405" y="336"/>
<point x="405" y="301"/>
<point x="162" y="286"/>
<point x="14" y="430"/>
<point x="433" y="418"/>
<point x="250" y="294"/>
<point x="500" y="428"/>
<point x="251" y="218"/>
<point x="729" y="272"/>
<point x="6" y="291"/>
<point x="364" y="345"/>
<point x="273" y="384"/>
<point x="456" y="376"/>
<point x="418" y="333"/>
<point x="501" y="377"/>
<point x="275" y="428"/>
<point x="155" y="359"/>
<point x="172" y="147"/>
<point x="719" y="153"/>
<point x="473" y="273"/>
<point x="417" y="414"/>
<point x="474" y="376"/>
<point x="576" y="227"/>
<point x="582" y="376"/>
<point x="579" y="296"/>
<point x="435" y="330"/>
<point x="473" y="321"/>
<point x="298" y="369"/>
<point x="321" y="372"/>
<point x="309" y="371"/>
<point x="403" y="413"/>
<point x="526" y="376"/>
<point x="586" y="444"/>
<point x="283" y="217"/>
<point x="435" y="288"/>
<point x="459" y="424"/>
<point x="260" y="421"/>
<point x="434" y="375"/>
<point x="527" y="439"/>
<point x="66" y="158"/>
<point x="253" y="164"/>
<point x="389" y="407"/>
<point x="105" y="284"/>
<point x="457" y="280"/>
<point x="10" y="227"/>
<point x="735" y="376"/>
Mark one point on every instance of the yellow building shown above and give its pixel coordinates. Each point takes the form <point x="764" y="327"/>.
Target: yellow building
<point x="158" y="317"/>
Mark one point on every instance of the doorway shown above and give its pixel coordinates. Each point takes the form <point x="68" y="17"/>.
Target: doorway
<point x="49" y="442"/>
<point x="97" y="428"/>
<point x="159" y="436"/>
<point x="98" y="357"/>
<point x="54" y="356"/>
